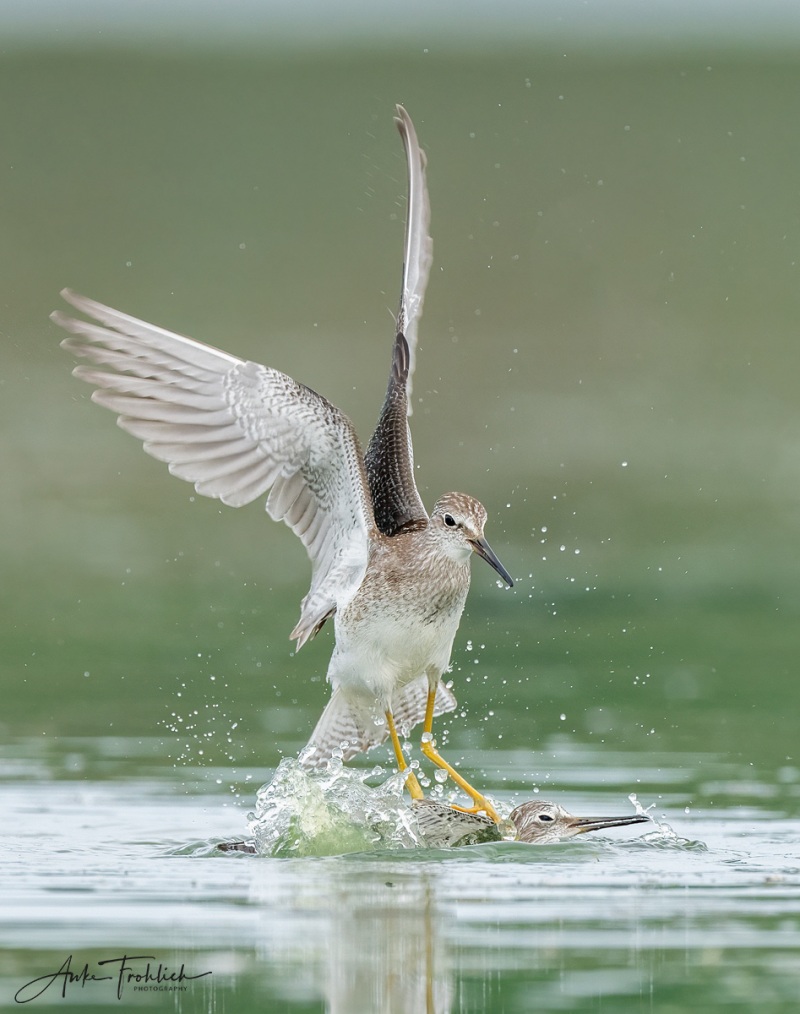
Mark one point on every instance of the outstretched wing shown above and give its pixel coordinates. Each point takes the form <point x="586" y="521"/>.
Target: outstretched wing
<point x="418" y="250"/>
<point x="236" y="430"/>
<point x="390" y="457"/>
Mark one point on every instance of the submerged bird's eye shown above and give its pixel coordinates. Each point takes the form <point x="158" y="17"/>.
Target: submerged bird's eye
<point x="450" y="521"/>
<point x="545" y="816"/>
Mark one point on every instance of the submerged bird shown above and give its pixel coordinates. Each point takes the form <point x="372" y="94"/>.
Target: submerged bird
<point x="536" y="822"/>
<point x="393" y="578"/>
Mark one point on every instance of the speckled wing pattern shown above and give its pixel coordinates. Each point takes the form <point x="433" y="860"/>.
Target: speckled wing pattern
<point x="390" y="457"/>
<point x="443" y="827"/>
<point x="236" y="430"/>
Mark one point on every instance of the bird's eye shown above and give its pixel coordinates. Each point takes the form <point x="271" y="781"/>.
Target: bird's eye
<point x="545" y="816"/>
<point x="450" y="521"/>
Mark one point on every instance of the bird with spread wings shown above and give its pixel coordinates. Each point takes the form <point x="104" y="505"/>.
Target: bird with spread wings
<point x="393" y="577"/>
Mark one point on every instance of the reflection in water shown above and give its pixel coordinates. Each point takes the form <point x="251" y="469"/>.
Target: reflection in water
<point x="387" y="951"/>
<point x="367" y="935"/>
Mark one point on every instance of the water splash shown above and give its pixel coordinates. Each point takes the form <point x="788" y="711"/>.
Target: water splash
<point x="664" y="835"/>
<point x="330" y="812"/>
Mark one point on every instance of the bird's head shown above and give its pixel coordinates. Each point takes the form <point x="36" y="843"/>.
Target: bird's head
<point x="458" y="521"/>
<point x="540" y="822"/>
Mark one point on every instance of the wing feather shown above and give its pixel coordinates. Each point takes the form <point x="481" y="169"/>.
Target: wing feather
<point x="236" y="430"/>
<point x="418" y="249"/>
<point x="390" y="456"/>
<point x="198" y="451"/>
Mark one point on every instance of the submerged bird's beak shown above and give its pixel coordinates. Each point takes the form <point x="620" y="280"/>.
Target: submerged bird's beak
<point x="580" y="825"/>
<point x="484" y="550"/>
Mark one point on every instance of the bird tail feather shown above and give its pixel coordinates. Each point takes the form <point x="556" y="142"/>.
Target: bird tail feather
<point x="347" y="730"/>
<point x="409" y="703"/>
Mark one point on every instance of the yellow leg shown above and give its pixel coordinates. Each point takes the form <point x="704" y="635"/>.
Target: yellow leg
<point x="412" y="782"/>
<point x="429" y="749"/>
<point x="427" y="725"/>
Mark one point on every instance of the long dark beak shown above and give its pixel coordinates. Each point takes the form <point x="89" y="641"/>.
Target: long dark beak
<point x="484" y="550"/>
<point x="580" y="825"/>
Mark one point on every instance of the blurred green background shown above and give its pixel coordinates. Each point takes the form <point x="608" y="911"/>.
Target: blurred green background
<point x="609" y="361"/>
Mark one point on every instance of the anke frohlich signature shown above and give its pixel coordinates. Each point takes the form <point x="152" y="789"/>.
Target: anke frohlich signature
<point x="137" y="971"/>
